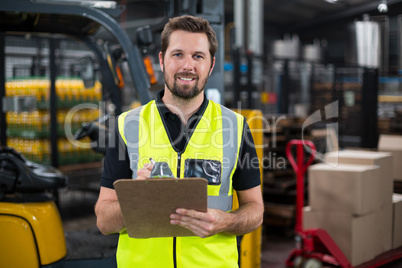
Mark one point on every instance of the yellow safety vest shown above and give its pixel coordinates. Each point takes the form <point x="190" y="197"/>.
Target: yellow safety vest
<point x="217" y="137"/>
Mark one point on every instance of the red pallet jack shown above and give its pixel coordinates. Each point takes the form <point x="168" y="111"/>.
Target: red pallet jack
<point x="314" y="247"/>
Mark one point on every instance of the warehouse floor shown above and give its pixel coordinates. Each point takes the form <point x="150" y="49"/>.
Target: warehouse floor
<point x="275" y="249"/>
<point x="85" y="241"/>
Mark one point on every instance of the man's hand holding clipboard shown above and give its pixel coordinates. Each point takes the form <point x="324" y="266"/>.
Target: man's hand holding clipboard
<point x="161" y="207"/>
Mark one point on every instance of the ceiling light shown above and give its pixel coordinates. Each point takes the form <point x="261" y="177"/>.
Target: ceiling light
<point x="383" y="7"/>
<point x="331" y="1"/>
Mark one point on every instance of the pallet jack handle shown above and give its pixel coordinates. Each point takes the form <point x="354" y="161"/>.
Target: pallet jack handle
<point x="300" y="167"/>
<point x="312" y="243"/>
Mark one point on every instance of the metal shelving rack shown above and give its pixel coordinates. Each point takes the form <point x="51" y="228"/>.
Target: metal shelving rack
<point x="355" y="89"/>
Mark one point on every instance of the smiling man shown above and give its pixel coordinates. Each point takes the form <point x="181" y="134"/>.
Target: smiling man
<point x="190" y="68"/>
<point x="198" y="138"/>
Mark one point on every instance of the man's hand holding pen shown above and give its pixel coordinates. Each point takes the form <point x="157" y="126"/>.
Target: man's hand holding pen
<point x="145" y="172"/>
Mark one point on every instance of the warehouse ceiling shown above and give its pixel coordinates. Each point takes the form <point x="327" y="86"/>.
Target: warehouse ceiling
<point x="303" y="15"/>
<point x="284" y="16"/>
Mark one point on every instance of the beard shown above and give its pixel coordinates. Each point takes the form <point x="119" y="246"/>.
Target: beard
<point x="185" y="92"/>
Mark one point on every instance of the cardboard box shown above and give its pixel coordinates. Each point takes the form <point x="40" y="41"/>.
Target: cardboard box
<point x="358" y="237"/>
<point x="385" y="232"/>
<point x="359" y="157"/>
<point x="346" y="188"/>
<point x="393" y="144"/>
<point x="397" y="221"/>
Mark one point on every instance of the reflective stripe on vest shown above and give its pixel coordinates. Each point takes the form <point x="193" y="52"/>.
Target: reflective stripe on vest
<point x="217" y="136"/>
<point x="129" y="122"/>
<point x="229" y="122"/>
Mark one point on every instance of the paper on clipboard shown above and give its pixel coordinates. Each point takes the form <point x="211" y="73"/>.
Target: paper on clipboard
<point x="147" y="204"/>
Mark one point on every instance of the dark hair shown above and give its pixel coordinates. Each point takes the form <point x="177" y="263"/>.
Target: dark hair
<point x="189" y="24"/>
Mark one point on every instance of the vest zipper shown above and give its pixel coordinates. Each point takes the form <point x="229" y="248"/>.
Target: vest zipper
<point x="174" y="253"/>
<point x="174" y="238"/>
<point x="178" y="164"/>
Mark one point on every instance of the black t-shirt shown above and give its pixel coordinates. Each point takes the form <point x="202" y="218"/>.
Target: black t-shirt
<point x="117" y="163"/>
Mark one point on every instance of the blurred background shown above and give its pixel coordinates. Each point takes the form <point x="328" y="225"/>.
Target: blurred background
<point x="323" y="70"/>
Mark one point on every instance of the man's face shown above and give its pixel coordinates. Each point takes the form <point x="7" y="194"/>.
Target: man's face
<point x="187" y="64"/>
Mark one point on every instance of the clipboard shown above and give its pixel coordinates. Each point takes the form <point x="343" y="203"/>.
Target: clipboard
<point x="146" y="205"/>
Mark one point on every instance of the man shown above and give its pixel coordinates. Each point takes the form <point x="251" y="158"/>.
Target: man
<point x="191" y="133"/>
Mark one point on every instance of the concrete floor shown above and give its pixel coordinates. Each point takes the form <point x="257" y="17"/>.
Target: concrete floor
<point x="275" y="250"/>
<point x="83" y="239"/>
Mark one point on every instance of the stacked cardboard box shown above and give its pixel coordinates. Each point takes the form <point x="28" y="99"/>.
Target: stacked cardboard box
<point x="356" y="236"/>
<point x="393" y="144"/>
<point x="397" y="225"/>
<point x="350" y="196"/>
<point x="381" y="159"/>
